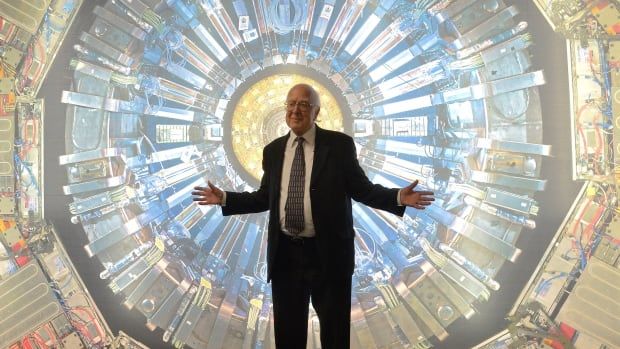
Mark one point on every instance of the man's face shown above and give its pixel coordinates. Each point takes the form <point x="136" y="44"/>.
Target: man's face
<point x="301" y="111"/>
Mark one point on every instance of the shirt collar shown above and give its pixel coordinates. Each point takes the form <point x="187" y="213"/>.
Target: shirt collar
<point x="309" y="137"/>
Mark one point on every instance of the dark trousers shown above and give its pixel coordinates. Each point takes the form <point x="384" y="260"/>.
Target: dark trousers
<point x="296" y="280"/>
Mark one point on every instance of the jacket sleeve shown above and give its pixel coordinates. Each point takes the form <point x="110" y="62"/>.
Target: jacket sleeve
<point x="251" y="202"/>
<point x="361" y="189"/>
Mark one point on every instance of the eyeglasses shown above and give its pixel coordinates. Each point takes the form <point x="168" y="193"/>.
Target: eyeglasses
<point x="303" y="105"/>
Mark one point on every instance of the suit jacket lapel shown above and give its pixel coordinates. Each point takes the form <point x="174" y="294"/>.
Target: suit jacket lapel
<point x="321" y="149"/>
<point x="279" y="160"/>
<point x="276" y="176"/>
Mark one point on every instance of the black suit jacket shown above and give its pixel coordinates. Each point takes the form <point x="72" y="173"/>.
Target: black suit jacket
<point x="336" y="179"/>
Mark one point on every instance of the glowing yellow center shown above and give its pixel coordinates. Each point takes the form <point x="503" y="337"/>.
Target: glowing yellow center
<point x="259" y="117"/>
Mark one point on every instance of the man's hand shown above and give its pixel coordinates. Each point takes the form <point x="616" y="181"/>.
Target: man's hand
<point x="208" y="196"/>
<point x="415" y="199"/>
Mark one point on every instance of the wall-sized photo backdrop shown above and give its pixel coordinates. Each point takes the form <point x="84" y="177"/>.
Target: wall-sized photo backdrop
<point x="118" y="109"/>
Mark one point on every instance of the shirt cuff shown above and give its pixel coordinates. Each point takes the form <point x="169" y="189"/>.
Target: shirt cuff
<point x="398" y="198"/>
<point x="223" y="203"/>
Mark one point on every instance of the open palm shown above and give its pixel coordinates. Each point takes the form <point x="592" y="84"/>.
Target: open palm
<point x="210" y="195"/>
<point x="416" y="199"/>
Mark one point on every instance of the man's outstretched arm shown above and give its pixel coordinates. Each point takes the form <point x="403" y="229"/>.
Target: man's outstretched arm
<point x="233" y="202"/>
<point x="364" y="191"/>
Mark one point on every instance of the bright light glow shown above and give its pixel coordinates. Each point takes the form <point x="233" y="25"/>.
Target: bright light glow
<point x="259" y="115"/>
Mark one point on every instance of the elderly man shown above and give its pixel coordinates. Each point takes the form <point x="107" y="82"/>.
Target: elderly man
<point x="310" y="176"/>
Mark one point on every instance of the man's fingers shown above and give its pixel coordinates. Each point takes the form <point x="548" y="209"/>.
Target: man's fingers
<point x="210" y="186"/>
<point x="412" y="185"/>
<point x="214" y="188"/>
<point x="203" y="201"/>
<point x="206" y="195"/>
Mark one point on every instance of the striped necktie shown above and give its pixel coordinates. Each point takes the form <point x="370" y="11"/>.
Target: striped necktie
<point x="294" y="208"/>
